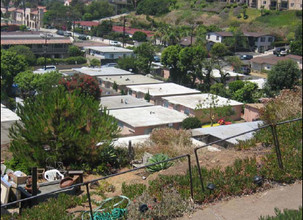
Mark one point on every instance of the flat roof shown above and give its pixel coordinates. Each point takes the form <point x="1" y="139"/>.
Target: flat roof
<point x="123" y="101"/>
<point x="163" y="89"/>
<point x="259" y="82"/>
<point x="225" y="131"/>
<point x="191" y="101"/>
<point x="103" y="71"/>
<point x="134" y="79"/>
<point x="109" y="49"/>
<point x="8" y="115"/>
<point x="148" y="116"/>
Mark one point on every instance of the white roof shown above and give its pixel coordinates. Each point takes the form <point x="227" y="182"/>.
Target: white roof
<point x="108" y="71"/>
<point x="123" y="101"/>
<point x="8" y="115"/>
<point x="148" y="116"/>
<point x="163" y="89"/>
<point x="225" y="131"/>
<point x="216" y="73"/>
<point x="134" y="79"/>
<point x="259" y="82"/>
<point x="205" y="99"/>
<point x="109" y="49"/>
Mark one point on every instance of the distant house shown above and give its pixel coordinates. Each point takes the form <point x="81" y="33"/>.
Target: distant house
<point x="86" y="25"/>
<point x="276" y="4"/>
<point x="187" y="41"/>
<point x="139" y="121"/>
<point x="188" y="104"/>
<point x="158" y="91"/>
<point x="56" y="46"/>
<point x="131" y="31"/>
<point x="107" y="54"/>
<point x="31" y="17"/>
<point x="252" y="111"/>
<point x="103" y="71"/>
<point x="124" y="81"/>
<point x="258" y="64"/>
<point x="258" y="42"/>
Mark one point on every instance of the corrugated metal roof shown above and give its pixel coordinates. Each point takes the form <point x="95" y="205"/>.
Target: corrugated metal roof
<point x="225" y="131"/>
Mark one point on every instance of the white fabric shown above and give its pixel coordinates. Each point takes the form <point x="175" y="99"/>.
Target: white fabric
<point x="52" y="175"/>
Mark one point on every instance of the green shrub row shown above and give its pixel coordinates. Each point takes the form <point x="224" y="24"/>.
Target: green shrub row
<point x="56" y="61"/>
<point x="285" y="215"/>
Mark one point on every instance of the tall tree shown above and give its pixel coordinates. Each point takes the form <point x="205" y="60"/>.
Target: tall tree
<point x="145" y="56"/>
<point x="64" y="126"/>
<point x="26" y="52"/>
<point x="170" y="58"/>
<point x="218" y="52"/>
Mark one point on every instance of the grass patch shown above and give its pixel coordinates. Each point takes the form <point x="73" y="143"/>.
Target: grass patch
<point x="285" y="215"/>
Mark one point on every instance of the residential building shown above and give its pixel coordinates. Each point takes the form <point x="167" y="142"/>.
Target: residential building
<point x="123" y="81"/>
<point x="252" y="111"/>
<point x="188" y="41"/>
<point x="258" y="42"/>
<point x="31" y="17"/>
<point x="160" y="90"/>
<point x="55" y="46"/>
<point x="158" y="69"/>
<point x="276" y="4"/>
<point x="139" y="121"/>
<point x="86" y="25"/>
<point x="107" y="54"/>
<point x="222" y="132"/>
<point x="195" y="105"/>
<point x="103" y="71"/>
<point x="130" y="31"/>
<point x="216" y="76"/>
<point x="8" y="118"/>
<point x="259" y="64"/>
<point x="123" y="102"/>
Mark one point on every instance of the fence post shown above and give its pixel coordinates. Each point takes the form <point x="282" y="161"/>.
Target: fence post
<point x="190" y="178"/>
<point x="89" y="202"/>
<point x="34" y="185"/>
<point x="277" y="145"/>
<point x="199" y="170"/>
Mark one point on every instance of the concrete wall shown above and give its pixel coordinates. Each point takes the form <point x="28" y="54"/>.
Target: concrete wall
<point x="251" y="114"/>
<point x="266" y="44"/>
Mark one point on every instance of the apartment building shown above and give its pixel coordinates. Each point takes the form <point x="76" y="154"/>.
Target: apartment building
<point x="276" y="4"/>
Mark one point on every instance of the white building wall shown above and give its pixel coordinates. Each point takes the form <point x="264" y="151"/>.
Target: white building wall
<point x="214" y="38"/>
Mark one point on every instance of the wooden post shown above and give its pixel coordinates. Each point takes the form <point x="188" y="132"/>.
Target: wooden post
<point x="34" y="184"/>
<point x="130" y="151"/>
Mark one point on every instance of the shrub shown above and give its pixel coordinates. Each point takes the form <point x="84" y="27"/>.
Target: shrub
<point x="287" y="214"/>
<point x="161" y="166"/>
<point x="133" y="190"/>
<point x="191" y="122"/>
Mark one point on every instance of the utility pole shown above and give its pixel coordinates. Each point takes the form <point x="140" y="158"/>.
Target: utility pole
<point x="124" y="31"/>
<point x="46" y="37"/>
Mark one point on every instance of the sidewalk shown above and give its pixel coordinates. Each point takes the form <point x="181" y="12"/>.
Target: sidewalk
<point x="253" y="206"/>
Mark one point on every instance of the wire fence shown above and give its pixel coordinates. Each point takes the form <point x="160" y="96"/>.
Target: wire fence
<point x="188" y="156"/>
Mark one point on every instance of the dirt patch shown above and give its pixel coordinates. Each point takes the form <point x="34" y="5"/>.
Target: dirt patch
<point x="5" y="153"/>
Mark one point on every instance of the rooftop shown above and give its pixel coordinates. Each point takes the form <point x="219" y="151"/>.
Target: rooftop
<point x="131" y="79"/>
<point x="103" y="71"/>
<point x="123" y="101"/>
<point x="216" y="73"/>
<point x="191" y="101"/>
<point x="259" y="82"/>
<point x="255" y="105"/>
<point x="87" y="23"/>
<point x="273" y="60"/>
<point x="8" y="115"/>
<point x="131" y="30"/>
<point x="163" y="89"/>
<point x="109" y="49"/>
<point x="225" y="131"/>
<point x="148" y="116"/>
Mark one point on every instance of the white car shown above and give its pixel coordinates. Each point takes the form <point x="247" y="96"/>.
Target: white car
<point x="45" y="69"/>
<point x="115" y="43"/>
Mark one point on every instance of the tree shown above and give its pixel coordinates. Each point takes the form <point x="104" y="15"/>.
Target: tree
<point x="219" y="89"/>
<point x="191" y="122"/>
<point x="235" y="85"/>
<point x="30" y="83"/>
<point x="236" y="63"/>
<point x="170" y="58"/>
<point x="87" y="85"/>
<point x="74" y="51"/>
<point x="102" y="29"/>
<point x="11" y="65"/>
<point x="147" y="96"/>
<point x="296" y="45"/>
<point x="95" y="62"/>
<point x="87" y="17"/>
<point x="140" y="36"/>
<point x="115" y="86"/>
<point x="246" y="93"/>
<point x="145" y="56"/>
<point x="128" y="63"/>
<point x="212" y="109"/>
<point x="69" y="132"/>
<point x="284" y="75"/>
<point x="154" y="7"/>
<point x="26" y="52"/>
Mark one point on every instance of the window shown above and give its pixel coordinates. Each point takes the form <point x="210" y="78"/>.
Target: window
<point x="292" y="4"/>
<point x="208" y="36"/>
<point x="111" y="56"/>
<point x="264" y="2"/>
<point x="270" y="39"/>
<point x="262" y="39"/>
<point x="186" y="111"/>
<point x="166" y="104"/>
<point x="218" y="38"/>
<point x="170" y="125"/>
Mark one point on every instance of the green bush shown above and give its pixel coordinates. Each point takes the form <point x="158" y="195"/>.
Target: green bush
<point x="133" y="190"/>
<point x="287" y="214"/>
<point x="191" y="122"/>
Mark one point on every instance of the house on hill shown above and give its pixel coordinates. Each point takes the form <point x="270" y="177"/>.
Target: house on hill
<point x="130" y="31"/>
<point x="86" y="25"/>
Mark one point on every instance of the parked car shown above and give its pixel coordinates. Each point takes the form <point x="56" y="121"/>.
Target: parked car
<point x="67" y="34"/>
<point x="280" y="51"/>
<point x="82" y="37"/>
<point x="157" y="58"/>
<point x="115" y="43"/>
<point x="60" y="32"/>
<point x="246" y="57"/>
